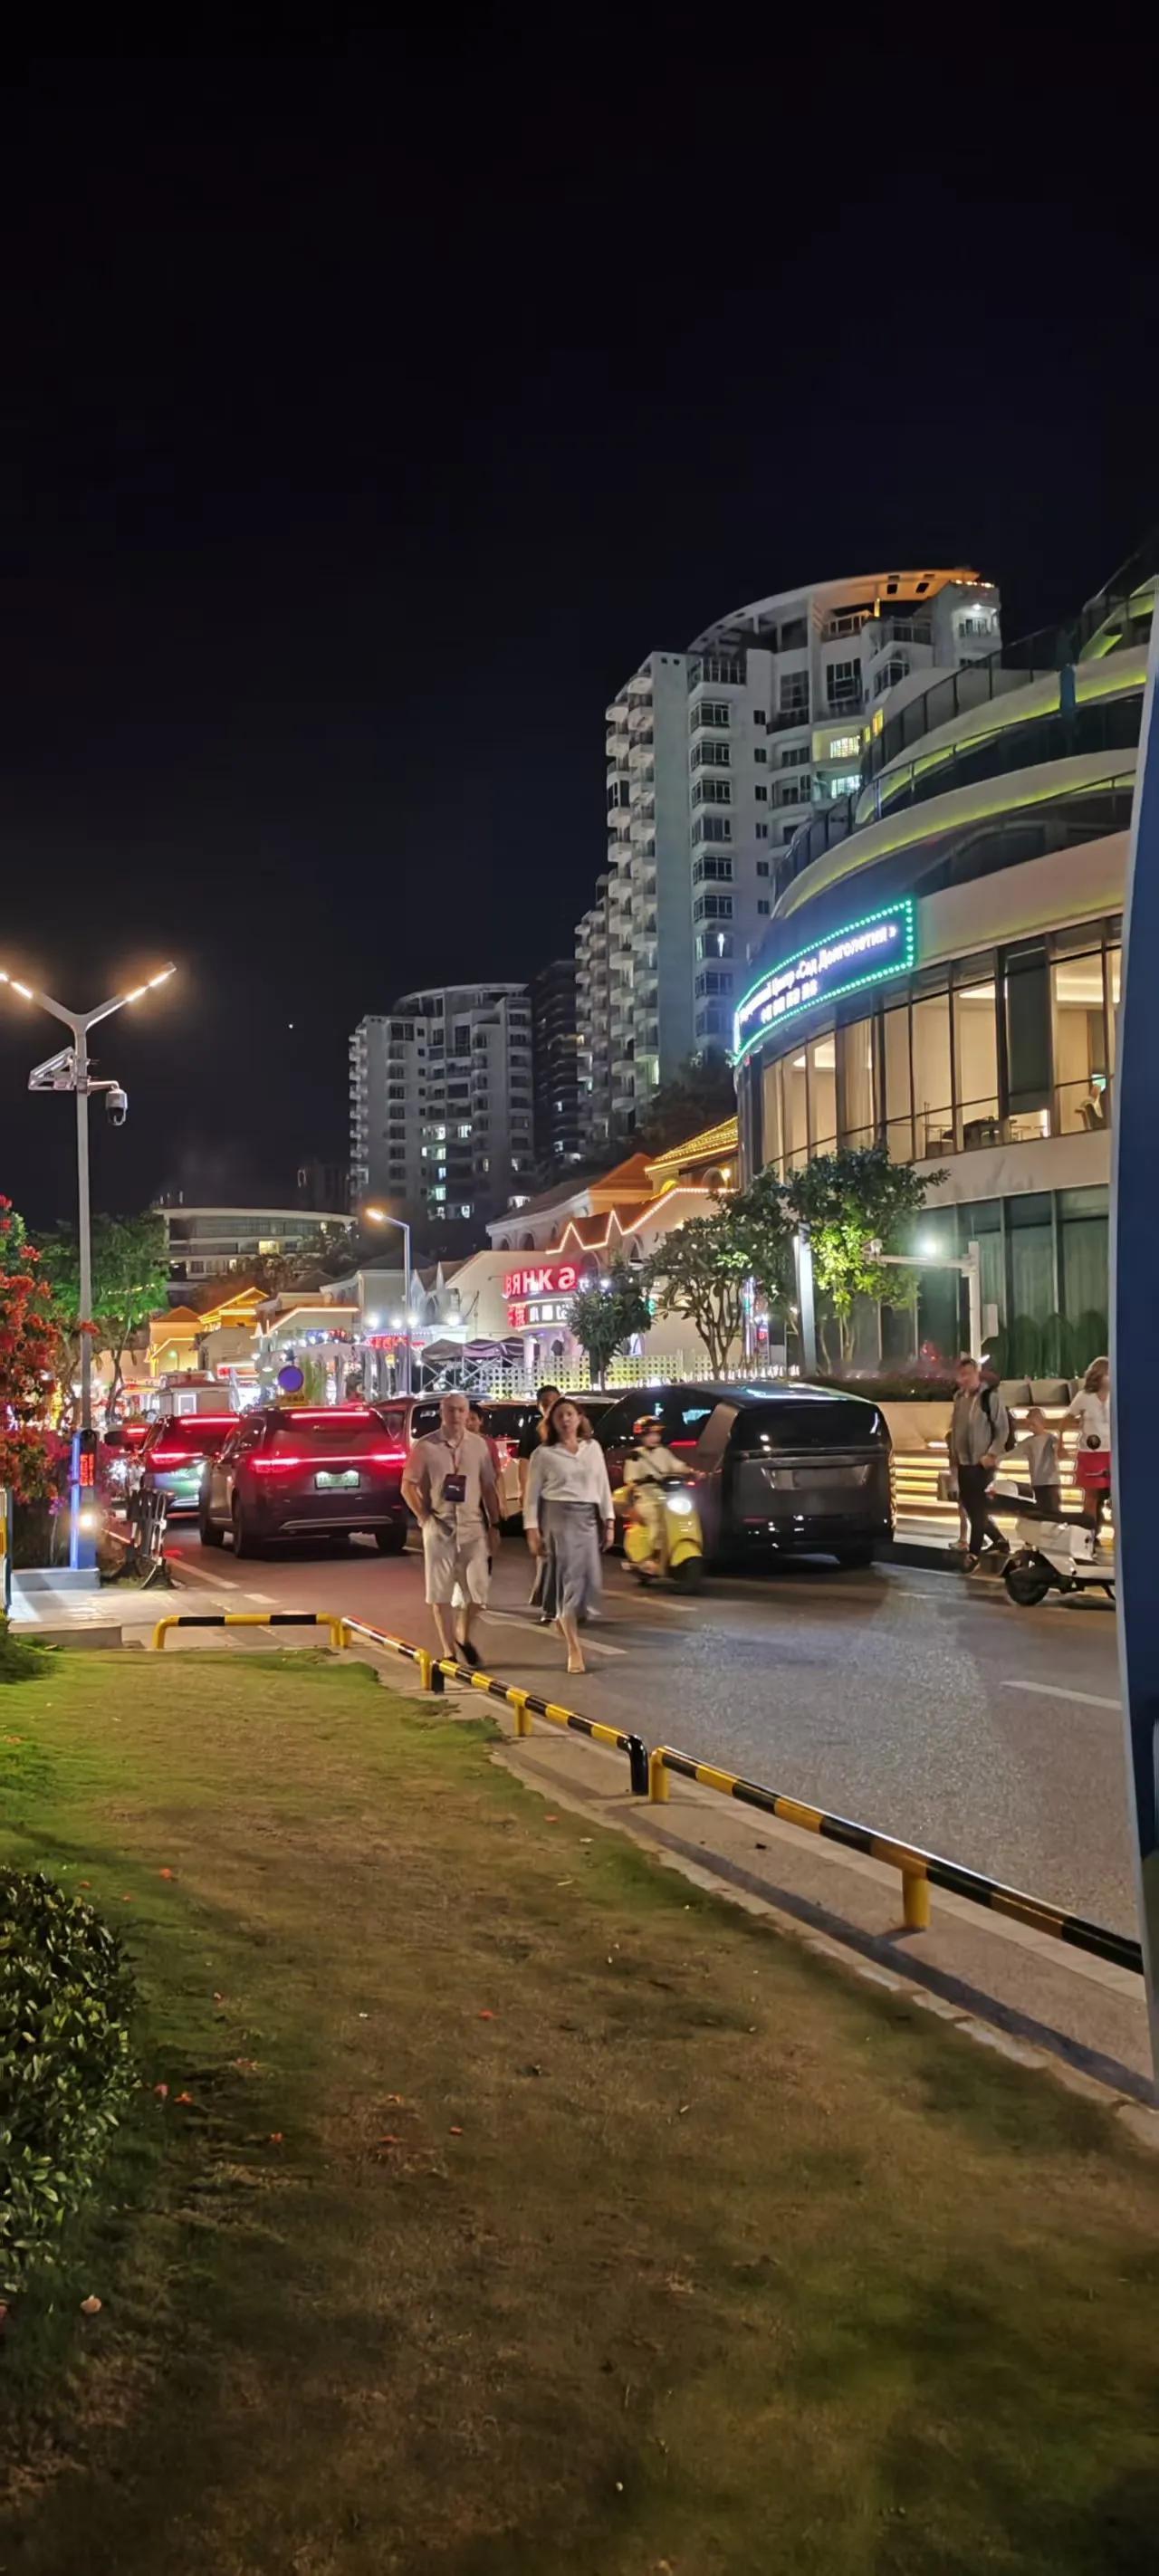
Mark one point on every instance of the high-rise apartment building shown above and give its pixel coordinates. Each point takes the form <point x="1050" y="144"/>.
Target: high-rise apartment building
<point x="442" y="1108"/>
<point x="715" y="757"/>
<point x="555" y="1046"/>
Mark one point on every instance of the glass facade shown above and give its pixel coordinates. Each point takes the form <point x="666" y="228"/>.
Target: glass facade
<point x="1002" y="1048"/>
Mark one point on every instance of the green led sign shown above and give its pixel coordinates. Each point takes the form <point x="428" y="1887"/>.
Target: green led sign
<point x="880" y="944"/>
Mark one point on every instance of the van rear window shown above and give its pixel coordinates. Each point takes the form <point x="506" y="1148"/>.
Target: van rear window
<point x="793" y="1423"/>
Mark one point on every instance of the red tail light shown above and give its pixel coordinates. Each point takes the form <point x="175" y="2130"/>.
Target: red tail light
<point x="175" y="1458"/>
<point x="683" y="1444"/>
<point x="272" y="1466"/>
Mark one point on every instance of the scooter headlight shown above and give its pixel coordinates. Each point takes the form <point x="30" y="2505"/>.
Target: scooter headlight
<point x="679" y="1503"/>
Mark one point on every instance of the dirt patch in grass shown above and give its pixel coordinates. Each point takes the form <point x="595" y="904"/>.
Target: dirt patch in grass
<point x="529" y="2208"/>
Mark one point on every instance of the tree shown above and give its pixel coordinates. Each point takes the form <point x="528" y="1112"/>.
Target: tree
<point x="130" y="1282"/>
<point x="853" y="1203"/>
<point x="604" y="1317"/>
<point x="29" y="1361"/>
<point x="703" y="1267"/>
<point x="700" y="1094"/>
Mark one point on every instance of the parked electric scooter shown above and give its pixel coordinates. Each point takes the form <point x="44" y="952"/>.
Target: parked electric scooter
<point x="1055" y="1552"/>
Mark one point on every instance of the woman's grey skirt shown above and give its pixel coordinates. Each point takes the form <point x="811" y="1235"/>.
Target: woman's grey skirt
<point x="572" y="1535"/>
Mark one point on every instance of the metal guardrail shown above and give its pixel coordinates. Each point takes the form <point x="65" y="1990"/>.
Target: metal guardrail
<point x="251" y="1619"/>
<point x="437" y="1671"/>
<point x="649" y="1772"/>
<point x="920" y="1870"/>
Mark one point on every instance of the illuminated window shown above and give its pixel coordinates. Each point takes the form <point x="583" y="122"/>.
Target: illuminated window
<point x="844" y="746"/>
<point x="931" y="1065"/>
<point x="823" y="1093"/>
<point x="1081" y="1054"/>
<point x="976" y="1059"/>
<point x="856" y="1114"/>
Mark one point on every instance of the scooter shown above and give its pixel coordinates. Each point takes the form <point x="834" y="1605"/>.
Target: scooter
<point x="1054" y="1553"/>
<point x="679" y="1541"/>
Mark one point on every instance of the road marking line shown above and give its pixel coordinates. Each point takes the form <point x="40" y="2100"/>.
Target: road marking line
<point x="1054" y="1690"/>
<point x="522" y="1619"/>
<point x="200" y="1574"/>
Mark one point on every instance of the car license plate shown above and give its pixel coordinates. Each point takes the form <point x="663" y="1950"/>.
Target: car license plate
<point x="339" y="1480"/>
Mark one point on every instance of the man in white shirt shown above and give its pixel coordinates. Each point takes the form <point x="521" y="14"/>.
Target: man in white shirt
<point x="449" y="1485"/>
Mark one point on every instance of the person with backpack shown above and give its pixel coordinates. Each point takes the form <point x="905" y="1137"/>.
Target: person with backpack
<point x="980" y="1434"/>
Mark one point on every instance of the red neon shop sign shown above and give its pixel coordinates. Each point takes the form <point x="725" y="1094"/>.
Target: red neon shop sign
<point x="553" y="1279"/>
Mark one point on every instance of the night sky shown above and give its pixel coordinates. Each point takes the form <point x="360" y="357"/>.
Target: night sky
<point x="370" y="412"/>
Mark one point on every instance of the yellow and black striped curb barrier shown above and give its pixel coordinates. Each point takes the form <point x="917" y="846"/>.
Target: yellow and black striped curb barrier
<point x="437" y="1671"/>
<point x="920" y="1870"/>
<point x="252" y="1619"/>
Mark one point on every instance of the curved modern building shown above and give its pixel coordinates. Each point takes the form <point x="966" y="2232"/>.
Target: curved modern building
<point x="941" y="969"/>
<point x="714" y="758"/>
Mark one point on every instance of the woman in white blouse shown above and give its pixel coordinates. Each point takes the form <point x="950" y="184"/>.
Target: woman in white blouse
<point x="568" y="1516"/>
<point x="1090" y="1416"/>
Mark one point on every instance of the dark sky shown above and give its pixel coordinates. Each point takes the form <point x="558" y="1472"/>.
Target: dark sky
<point x="369" y="412"/>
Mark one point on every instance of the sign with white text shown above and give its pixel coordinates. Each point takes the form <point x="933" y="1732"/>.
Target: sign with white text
<point x="881" y="943"/>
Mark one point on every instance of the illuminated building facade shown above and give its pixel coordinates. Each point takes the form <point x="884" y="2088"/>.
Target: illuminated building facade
<point x="941" y="970"/>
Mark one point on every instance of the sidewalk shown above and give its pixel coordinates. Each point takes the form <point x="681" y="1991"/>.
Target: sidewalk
<point x="108" y="1614"/>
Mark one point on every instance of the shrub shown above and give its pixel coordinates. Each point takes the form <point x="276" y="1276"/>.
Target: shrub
<point x="19" y="1661"/>
<point x="65" y="2061"/>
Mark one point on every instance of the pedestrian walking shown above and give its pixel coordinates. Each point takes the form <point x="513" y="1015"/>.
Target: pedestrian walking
<point x="1090" y="1416"/>
<point x="449" y="1484"/>
<point x="979" y="1434"/>
<point x="568" y="1517"/>
<point x="541" y="1597"/>
<point x="1039" y="1447"/>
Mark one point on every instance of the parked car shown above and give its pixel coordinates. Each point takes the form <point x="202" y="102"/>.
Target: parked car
<point x="505" y="1419"/>
<point x="785" y="1470"/>
<point x="172" y="1458"/>
<point x="292" y="1472"/>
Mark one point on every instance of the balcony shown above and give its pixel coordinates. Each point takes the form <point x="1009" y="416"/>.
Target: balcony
<point x="789" y="720"/>
<point x="851" y="704"/>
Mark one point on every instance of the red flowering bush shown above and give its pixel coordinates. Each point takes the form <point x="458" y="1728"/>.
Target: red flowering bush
<point x="29" y="1362"/>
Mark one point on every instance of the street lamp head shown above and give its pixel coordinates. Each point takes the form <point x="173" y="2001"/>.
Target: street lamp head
<point x="24" y="989"/>
<point x="376" y="1215"/>
<point x="139" y="990"/>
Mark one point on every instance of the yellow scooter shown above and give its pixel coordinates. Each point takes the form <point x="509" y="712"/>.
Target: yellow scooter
<point x="662" y="1533"/>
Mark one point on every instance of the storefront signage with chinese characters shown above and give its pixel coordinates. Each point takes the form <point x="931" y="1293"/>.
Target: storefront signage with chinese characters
<point x="541" y="1295"/>
<point x="881" y="943"/>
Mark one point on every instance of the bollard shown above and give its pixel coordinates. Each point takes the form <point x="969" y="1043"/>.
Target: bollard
<point x="915" y="1897"/>
<point x="638" y="1772"/>
<point x="657" y="1777"/>
<point x="517" y="1700"/>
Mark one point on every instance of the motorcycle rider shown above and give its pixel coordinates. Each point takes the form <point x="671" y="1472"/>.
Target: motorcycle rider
<point x="645" y="1470"/>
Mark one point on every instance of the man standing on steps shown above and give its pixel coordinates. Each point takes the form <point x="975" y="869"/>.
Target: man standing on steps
<point x="979" y="1436"/>
<point x="449" y="1485"/>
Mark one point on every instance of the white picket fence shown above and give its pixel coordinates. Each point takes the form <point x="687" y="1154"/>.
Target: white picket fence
<point x="575" y="1379"/>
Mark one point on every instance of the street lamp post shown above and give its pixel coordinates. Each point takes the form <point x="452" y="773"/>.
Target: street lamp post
<point x="380" y="1216"/>
<point x="69" y="1071"/>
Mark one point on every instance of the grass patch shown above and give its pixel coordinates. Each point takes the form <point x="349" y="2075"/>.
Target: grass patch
<point x="528" y="2207"/>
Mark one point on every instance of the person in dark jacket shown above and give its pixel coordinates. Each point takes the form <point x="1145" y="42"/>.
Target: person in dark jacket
<point x="979" y="1430"/>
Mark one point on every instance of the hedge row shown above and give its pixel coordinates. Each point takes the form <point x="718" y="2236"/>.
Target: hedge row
<point x="65" y="2061"/>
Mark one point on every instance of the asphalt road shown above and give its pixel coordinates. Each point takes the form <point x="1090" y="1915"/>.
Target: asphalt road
<point x="919" y="1703"/>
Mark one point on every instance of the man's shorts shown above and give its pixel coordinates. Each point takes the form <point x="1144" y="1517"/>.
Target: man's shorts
<point x="456" y="1557"/>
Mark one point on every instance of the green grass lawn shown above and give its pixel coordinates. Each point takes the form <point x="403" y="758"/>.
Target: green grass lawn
<point x="530" y="2210"/>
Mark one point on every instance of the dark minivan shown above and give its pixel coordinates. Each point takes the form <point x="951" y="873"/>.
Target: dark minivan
<point x="781" y="1470"/>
